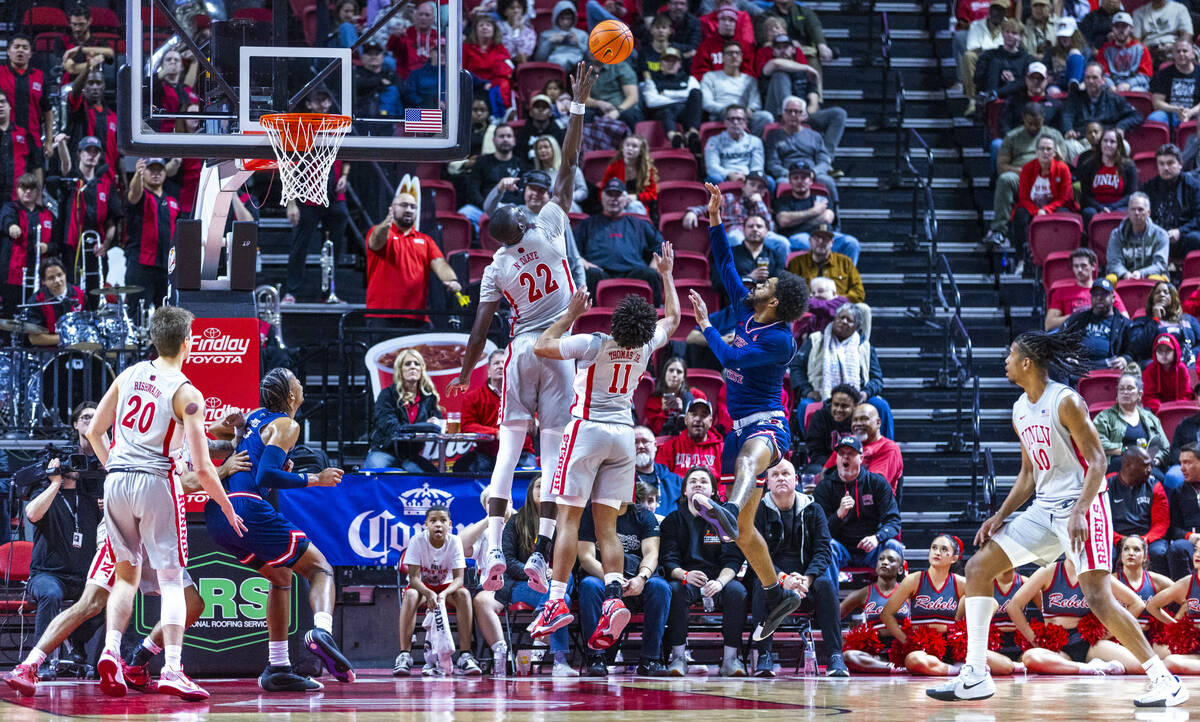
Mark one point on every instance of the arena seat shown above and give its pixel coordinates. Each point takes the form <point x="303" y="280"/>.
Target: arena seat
<point x="691" y="266"/>
<point x="708" y="129"/>
<point x="678" y="196"/>
<point x="1171" y="413"/>
<point x="445" y="200"/>
<point x="1147" y="166"/>
<point x="1052" y="233"/>
<point x="693" y="240"/>
<point x="530" y="77"/>
<point x="1057" y="269"/>
<point x="594" y="163"/>
<point x="596" y="320"/>
<point x="455" y="232"/>
<point x="709" y="381"/>
<point x="675" y="165"/>
<point x="644" y="388"/>
<point x="1099" y="229"/>
<point x="1141" y="101"/>
<point x="1147" y="137"/>
<point x="809" y="411"/>
<point x="1184" y="133"/>
<point x="486" y="242"/>
<point x="476" y="260"/>
<point x="652" y="131"/>
<point x="1135" y="291"/>
<point x="611" y="290"/>
<point x="1099" y="386"/>
<point x="1191" y="266"/>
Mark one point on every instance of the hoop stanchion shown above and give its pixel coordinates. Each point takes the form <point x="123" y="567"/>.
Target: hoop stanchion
<point x="305" y="146"/>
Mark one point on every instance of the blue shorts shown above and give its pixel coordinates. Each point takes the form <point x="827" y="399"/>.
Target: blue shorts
<point x="773" y="430"/>
<point x="269" y="540"/>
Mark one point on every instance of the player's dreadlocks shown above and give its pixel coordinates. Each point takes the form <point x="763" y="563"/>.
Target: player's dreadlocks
<point x="1058" y="354"/>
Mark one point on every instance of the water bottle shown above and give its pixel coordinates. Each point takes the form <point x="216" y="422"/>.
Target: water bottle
<point x="709" y="605"/>
<point x="810" y="656"/>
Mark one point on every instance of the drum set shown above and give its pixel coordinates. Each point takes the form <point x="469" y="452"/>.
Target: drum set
<point x="39" y="385"/>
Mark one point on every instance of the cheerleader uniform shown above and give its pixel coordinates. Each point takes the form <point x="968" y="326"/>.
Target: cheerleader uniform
<point x="1062" y="600"/>
<point x="1145" y="591"/>
<point x="873" y="607"/>
<point x="931" y="605"/>
<point x="1003" y="623"/>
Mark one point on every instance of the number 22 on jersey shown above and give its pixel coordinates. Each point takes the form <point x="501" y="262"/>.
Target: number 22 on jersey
<point x="528" y="282"/>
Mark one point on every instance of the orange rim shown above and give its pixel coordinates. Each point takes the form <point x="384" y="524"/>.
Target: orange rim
<point x="297" y="130"/>
<point x="257" y="164"/>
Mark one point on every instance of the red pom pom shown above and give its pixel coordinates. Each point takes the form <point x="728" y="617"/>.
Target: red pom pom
<point x="898" y="652"/>
<point x="864" y="639"/>
<point x="956" y="642"/>
<point x="926" y="639"/>
<point x="1180" y="638"/>
<point x="1053" y="638"/>
<point x="995" y="638"/>
<point x="1024" y="644"/>
<point x="1091" y="629"/>
<point x="1155" y="630"/>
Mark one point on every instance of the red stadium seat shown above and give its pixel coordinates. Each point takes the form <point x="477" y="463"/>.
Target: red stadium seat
<point x="1101" y="227"/>
<point x="1134" y="292"/>
<point x="678" y="196"/>
<point x="442" y="192"/>
<point x="529" y="78"/>
<point x="709" y="381"/>
<point x="1171" y="413"/>
<point x="691" y="266"/>
<point x="1141" y="102"/>
<point x="1148" y="137"/>
<point x="611" y="290"/>
<point x="1100" y="386"/>
<point x="15" y="557"/>
<point x="694" y="240"/>
<point x="654" y="134"/>
<point x="594" y="163"/>
<point x="44" y="18"/>
<point x="477" y="260"/>
<point x="644" y="388"/>
<point x="675" y="165"/>
<point x="1191" y="265"/>
<point x="486" y="241"/>
<point x="105" y="20"/>
<point x="428" y="170"/>
<point x="1147" y="166"/>
<point x="734" y="187"/>
<point x="258" y="15"/>
<point x="809" y="411"/>
<point x="455" y="232"/>
<point x="708" y="130"/>
<point x="702" y="286"/>
<point x="1054" y="232"/>
<point x="1057" y="269"/>
<point x="597" y="320"/>
<point x="1187" y="288"/>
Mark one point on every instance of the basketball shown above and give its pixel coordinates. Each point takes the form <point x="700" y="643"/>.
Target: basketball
<point x="610" y="42"/>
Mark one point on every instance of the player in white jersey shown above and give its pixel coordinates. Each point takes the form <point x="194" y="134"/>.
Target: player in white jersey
<point x="532" y="274"/>
<point x="597" y="458"/>
<point x="1062" y="468"/>
<point x="143" y="506"/>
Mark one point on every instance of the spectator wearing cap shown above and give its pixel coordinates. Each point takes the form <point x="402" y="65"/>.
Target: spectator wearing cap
<point x="710" y="54"/>
<point x="728" y="86"/>
<point x="1018" y="148"/>
<point x="615" y="92"/>
<point x="1138" y="247"/>
<point x="1160" y="24"/>
<point x="1094" y="102"/>
<point x="671" y="95"/>
<point x="804" y="28"/>
<point x="783" y="70"/>
<point x="90" y="203"/>
<point x="733" y="153"/>
<point x="1126" y="62"/>
<point x="534" y="187"/>
<point x="880" y="454"/>
<point x="1064" y="60"/>
<point x="821" y="260"/>
<point x="616" y="244"/>
<point x="736" y="207"/>
<point x="982" y="35"/>
<point x="1000" y="71"/>
<point x="1066" y="300"/>
<point x="376" y="90"/>
<point x="697" y="445"/>
<point x="539" y="121"/>
<point x="1033" y="92"/>
<point x="792" y="142"/>
<point x="1107" y="335"/>
<point x="862" y="512"/>
<point x="1175" y="88"/>
<point x="1175" y="201"/>
<point x="1038" y="35"/>
<point x="800" y="212"/>
<point x="1096" y="25"/>
<point x="716" y="10"/>
<point x="149" y="231"/>
<point x="564" y="43"/>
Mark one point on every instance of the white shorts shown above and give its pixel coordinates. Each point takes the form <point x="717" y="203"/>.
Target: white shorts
<point x="596" y="461"/>
<point x="103" y="572"/>
<point x="145" y="519"/>
<point x="535" y="386"/>
<point x="1039" y="534"/>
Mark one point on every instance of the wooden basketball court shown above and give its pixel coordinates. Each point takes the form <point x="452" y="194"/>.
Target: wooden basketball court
<point x="377" y="696"/>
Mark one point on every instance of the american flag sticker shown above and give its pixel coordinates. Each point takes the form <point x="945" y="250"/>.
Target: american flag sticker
<point x="422" y="120"/>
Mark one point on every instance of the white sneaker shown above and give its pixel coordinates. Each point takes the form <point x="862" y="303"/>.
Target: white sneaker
<point x="562" y="669"/>
<point x="538" y="571"/>
<point x="969" y="684"/>
<point x="1104" y="667"/>
<point x="1165" y="692"/>
<point x="493" y="569"/>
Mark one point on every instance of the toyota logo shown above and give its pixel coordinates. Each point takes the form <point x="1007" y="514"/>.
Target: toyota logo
<point x="211" y="333"/>
<point x="212" y="402"/>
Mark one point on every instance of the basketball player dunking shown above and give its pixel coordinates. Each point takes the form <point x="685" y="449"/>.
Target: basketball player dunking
<point x="531" y="272"/>
<point x="1062" y="468"/>
<point x="143" y="506"/>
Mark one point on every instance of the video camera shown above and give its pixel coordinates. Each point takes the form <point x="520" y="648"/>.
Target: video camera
<point x="30" y="480"/>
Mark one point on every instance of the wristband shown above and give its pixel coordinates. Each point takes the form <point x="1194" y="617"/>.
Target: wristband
<point x="782" y="576"/>
<point x="577" y="108"/>
<point x="685" y="577"/>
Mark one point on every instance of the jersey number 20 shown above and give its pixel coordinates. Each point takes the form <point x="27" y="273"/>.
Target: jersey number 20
<point x="140" y="415"/>
<point x="548" y="286"/>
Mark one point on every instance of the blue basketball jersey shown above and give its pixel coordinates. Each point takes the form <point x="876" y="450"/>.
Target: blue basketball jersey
<point x="252" y="443"/>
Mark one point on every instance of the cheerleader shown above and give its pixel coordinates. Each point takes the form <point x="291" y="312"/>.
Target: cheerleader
<point x="1180" y="634"/>
<point x="933" y="598"/>
<point x="1060" y="645"/>
<point x="1004" y="588"/>
<point x="1131" y="550"/>
<point x="862" y="645"/>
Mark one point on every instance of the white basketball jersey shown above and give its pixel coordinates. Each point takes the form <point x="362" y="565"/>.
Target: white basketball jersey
<point x="1058" y="467"/>
<point x="533" y="275"/>
<point x="607" y="375"/>
<point x="145" y="431"/>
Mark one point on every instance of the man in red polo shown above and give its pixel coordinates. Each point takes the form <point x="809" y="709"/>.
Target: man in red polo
<point x="26" y="89"/>
<point x="399" y="258"/>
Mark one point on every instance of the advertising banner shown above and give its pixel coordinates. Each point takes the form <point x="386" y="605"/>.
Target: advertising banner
<point x="368" y="520"/>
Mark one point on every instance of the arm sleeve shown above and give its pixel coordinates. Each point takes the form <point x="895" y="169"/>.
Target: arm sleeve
<point x="819" y="529"/>
<point x="726" y="269"/>
<point x="1160" y="515"/>
<point x="270" y="473"/>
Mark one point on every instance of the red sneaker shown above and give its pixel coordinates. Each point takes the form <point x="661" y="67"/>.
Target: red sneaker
<point x="553" y="617"/>
<point x="112" y="681"/>
<point x="23" y="679"/>
<point x="179" y="684"/>
<point x="613" y="618"/>
<point x="137" y="677"/>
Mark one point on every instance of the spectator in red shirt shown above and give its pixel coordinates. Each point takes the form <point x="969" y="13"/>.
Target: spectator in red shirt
<point x="488" y="60"/>
<point x="90" y="203"/>
<point x="88" y="114"/>
<point x="881" y="455"/>
<point x="412" y="49"/>
<point x="696" y="445"/>
<point x="82" y="48"/>
<point x="149" y="231"/>
<point x="481" y="415"/>
<point x="633" y="165"/>
<point x="1066" y="300"/>
<point x="19" y="154"/>
<point x="66" y="298"/>
<point x="1166" y="377"/>
<point x="172" y="90"/>
<point x="1107" y="179"/>
<point x="711" y="51"/>
<point x="1044" y="186"/>
<point x="399" y="258"/>
<point x="1126" y="62"/>
<point x="26" y="90"/>
<point x="20" y="240"/>
<point x="663" y="413"/>
<point x="744" y="29"/>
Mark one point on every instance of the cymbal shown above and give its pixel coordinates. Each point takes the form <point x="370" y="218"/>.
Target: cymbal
<point x="16" y="324"/>
<point x="115" y="290"/>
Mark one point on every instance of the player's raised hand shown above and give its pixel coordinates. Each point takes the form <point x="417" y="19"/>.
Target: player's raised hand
<point x="581" y="81"/>
<point x="699" y="308"/>
<point x="665" y="263"/>
<point x="714" y="204"/>
<point x="581" y="303"/>
<point x="327" y="477"/>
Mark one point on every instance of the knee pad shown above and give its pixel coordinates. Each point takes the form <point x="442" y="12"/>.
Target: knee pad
<point x="174" y="603"/>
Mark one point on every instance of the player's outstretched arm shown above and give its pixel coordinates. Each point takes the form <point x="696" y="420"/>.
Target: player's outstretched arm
<point x="731" y="280"/>
<point x="484" y="313"/>
<point x="665" y="264"/>
<point x="564" y="182"/>
<point x="189" y="407"/>
<point x="105" y="416"/>
<point x="279" y="439"/>
<point x="547" y="345"/>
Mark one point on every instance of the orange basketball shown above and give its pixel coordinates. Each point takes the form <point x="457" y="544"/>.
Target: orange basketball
<point x="610" y="41"/>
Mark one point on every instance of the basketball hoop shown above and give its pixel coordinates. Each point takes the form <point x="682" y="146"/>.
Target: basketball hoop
<point x="305" y="146"/>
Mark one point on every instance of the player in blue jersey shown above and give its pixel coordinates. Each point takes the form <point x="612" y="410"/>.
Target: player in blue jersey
<point x="273" y="545"/>
<point x="754" y="366"/>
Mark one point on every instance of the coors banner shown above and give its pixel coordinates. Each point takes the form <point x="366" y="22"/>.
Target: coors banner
<point x="223" y="364"/>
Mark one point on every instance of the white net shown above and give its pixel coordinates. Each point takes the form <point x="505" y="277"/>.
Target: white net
<point x="305" y="146"/>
